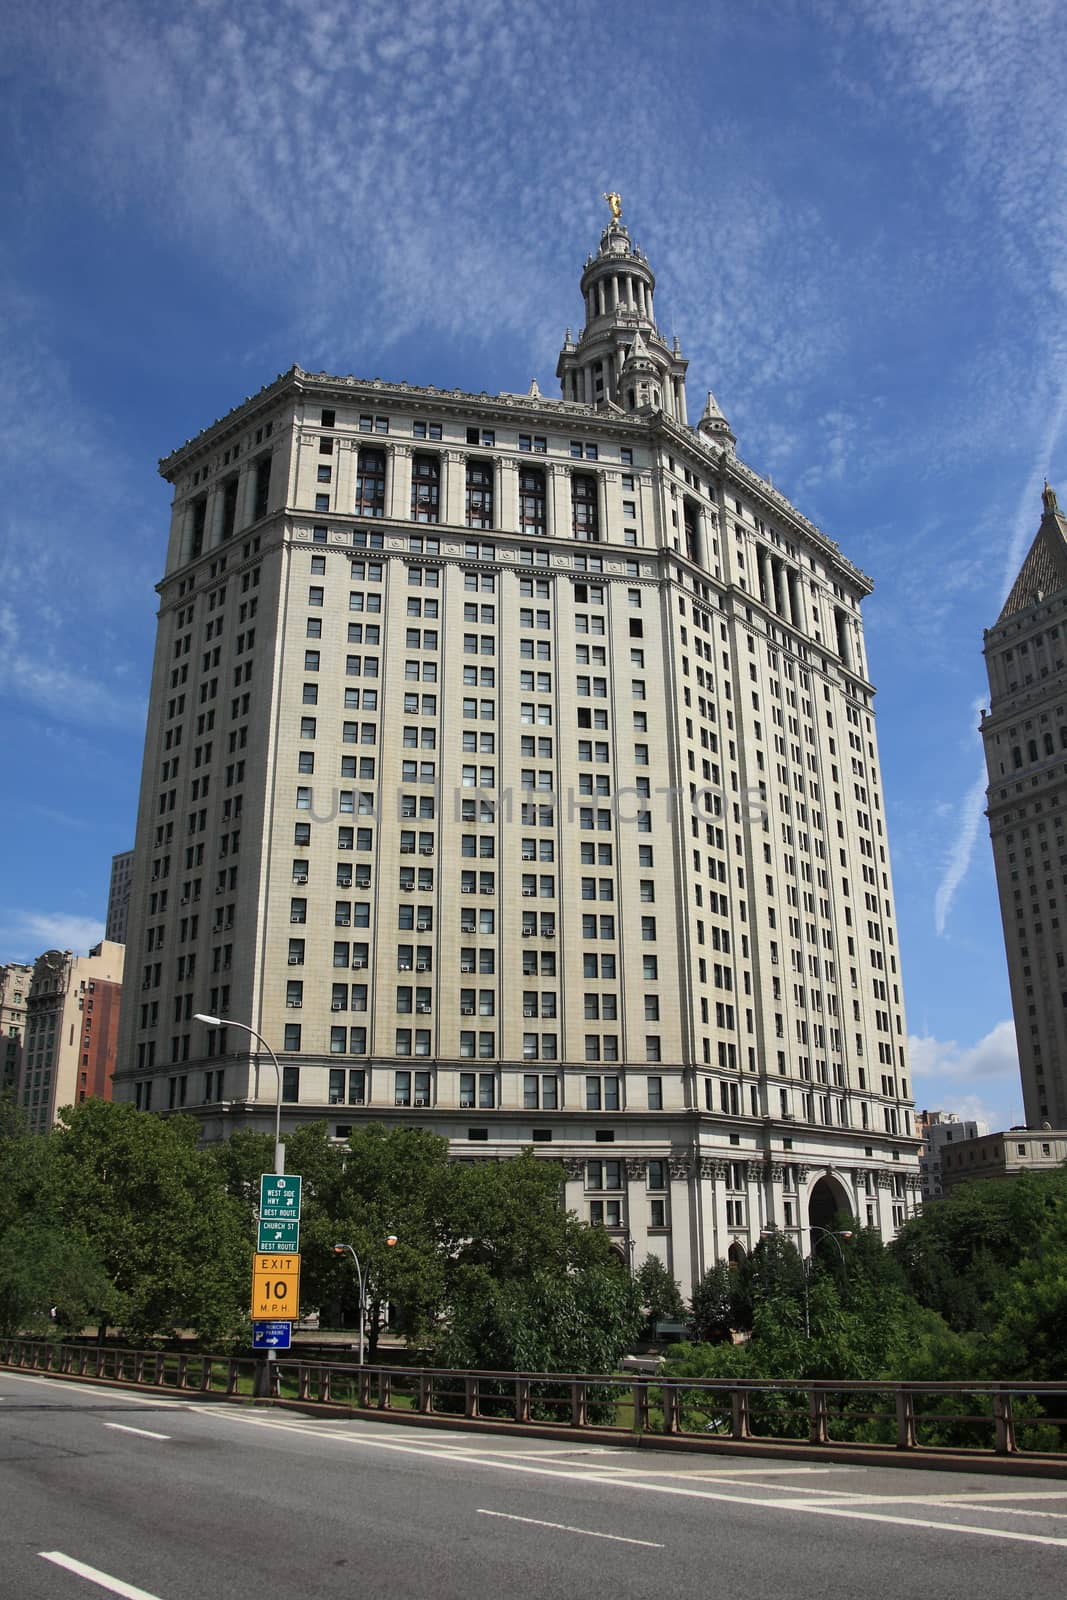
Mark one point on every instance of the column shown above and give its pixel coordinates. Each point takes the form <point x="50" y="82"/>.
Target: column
<point x="454" y="488"/>
<point x="783" y="592"/>
<point x="559" y="500"/>
<point x="506" y="495"/>
<point x="637" y="1212"/>
<point x="345" y="457"/>
<point x="796" y="598"/>
<point x="397" y="482"/>
<point x="766" y="575"/>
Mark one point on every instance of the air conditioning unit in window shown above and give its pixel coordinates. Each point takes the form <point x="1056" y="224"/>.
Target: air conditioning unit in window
<point x="529" y="1011"/>
<point x="424" y="1006"/>
<point x="529" y="933"/>
<point x="337" y="1005"/>
<point x="466" y="966"/>
<point x="404" y="966"/>
<point x="360" y="961"/>
<point x="295" y="918"/>
<point x="294" y="1005"/>
<point x="422" y="927"/>
<point x="407" y="888"/>
<point x="300" y="877"/>
<point x="344" y="883"/>
<point x="549" y="933"/>
<point x="344" y="845"/>
<point x="468" y="888"/>
<point x="407" y="849"/>
<point x="466" y="1011"/>
<point x="427" y="850"/>
<point x="184" y="901"/>
<point x="294" y="961"/>
<point x="342" y="922"/>
<point x="422" y="966"/>
<point x="529" y="893"/>
<point x="528" y="855"/>
<point x="422" y="1099"/>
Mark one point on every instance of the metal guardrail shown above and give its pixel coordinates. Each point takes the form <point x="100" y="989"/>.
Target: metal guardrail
<point x="978" y="1419"/>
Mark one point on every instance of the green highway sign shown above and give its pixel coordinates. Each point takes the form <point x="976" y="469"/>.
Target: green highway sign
<point x="279" y="1197"/>
<point x="281" y="1237"/>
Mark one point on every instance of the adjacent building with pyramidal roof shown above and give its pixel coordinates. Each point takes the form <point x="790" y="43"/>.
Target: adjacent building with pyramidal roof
<point x="1025" y="736"/>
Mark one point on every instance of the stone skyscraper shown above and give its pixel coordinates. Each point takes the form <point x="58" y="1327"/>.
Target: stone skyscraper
<point x="511" y="767"/>
<point x="1025" y="737"/>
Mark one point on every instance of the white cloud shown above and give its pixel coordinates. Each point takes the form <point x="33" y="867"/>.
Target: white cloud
<point x="25" y="935"/>
<point x="961" y="851"/>
<point x="994" y="1056"/>
<point x="979" y="1081"/>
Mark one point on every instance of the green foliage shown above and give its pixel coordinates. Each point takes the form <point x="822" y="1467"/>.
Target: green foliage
<point x="152" y="1211"/>
<point x="711" y="1314"/>
<point x="660" y="1295"/>
<point x="50" y="1281"/>
<point x="579" y="1321"/>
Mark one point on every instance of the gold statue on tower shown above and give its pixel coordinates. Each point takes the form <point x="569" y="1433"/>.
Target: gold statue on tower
<point x="615" y="202"/>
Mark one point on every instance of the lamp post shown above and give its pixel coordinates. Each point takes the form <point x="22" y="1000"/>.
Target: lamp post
<point x="228" y="1022"/>
<point x="808" y="1262"/>
<point x="339" y="1250"/>
<point x="836" y="1234"/>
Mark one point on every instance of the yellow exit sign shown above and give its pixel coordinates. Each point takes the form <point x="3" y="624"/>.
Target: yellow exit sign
<point x="275" y="1288"/>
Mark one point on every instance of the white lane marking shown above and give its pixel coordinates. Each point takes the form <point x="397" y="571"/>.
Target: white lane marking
<point x="111" y="1394"/>
<point x="965" y="1497"/>
<point x="565" y="1527"/>
<point x="788" y="1506"/>
<point x="146" y="1433"/>
<point x="128" y="1591"/>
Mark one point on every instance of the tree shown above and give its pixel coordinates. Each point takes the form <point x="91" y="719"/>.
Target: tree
<point x="49" y="1281"/>
<point x="385" y="1182"/>
<point x="711" y="1316"/>
<point x="660" y="1294"/>
<point x="153" y="1212"/>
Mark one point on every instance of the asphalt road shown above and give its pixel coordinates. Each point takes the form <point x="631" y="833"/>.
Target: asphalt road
<point x="155" y="1499"/>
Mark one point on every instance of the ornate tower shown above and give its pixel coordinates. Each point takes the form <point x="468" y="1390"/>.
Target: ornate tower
<point x="621" y="359"/>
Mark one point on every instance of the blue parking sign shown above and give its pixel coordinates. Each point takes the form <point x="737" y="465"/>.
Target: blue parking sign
<point x="271" y="1335"/>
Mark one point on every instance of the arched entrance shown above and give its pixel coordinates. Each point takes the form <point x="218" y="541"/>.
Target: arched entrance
<point x="826" y="1202"/>
<point x="735" y="1256"/>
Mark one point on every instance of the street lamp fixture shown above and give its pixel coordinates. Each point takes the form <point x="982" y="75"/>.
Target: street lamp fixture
<point x="228" y="1022"/>
<point x="808" y="1262"/>
<point x="340" y="1250"/>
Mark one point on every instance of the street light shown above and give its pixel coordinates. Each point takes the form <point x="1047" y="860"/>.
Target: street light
<point x="228" y="1022"/>
<point x="808" y="1262"/>
<point x="339" y="1250"/>
<point x="836" y="1234"/>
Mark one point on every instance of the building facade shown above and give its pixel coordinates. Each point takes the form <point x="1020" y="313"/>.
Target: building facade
<point x="937" y="1129"/>
<point x="14" y="989"/>
<point x="1003" y="1155"/>
<point x="72" y="1031"/>
<point x="511" y="767"/>
<point x="1025" y="736"/>
<point x="118" y="897"/>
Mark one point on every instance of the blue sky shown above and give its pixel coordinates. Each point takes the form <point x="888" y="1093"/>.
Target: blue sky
<point x="857" y="217"/>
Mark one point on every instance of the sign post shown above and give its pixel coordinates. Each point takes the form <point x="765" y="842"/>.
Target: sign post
<point x="276" y="1267"/>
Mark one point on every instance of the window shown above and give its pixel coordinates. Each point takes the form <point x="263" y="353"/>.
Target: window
<point x="291" y="1082"/>
<point x="479" y="494"/>
<point x="584" y="513"/>
<point x="602" y="1094"/>
<point x="532" y="500"/>
<point x="425" y="488"/>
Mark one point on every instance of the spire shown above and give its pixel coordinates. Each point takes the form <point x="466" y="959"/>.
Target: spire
<point x="618" y="286"/>
<point x="714" y="426"/>
<point x="1044" y="572"/>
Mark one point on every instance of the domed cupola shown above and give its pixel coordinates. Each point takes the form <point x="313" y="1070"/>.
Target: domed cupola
<point x="620" y="333"/>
